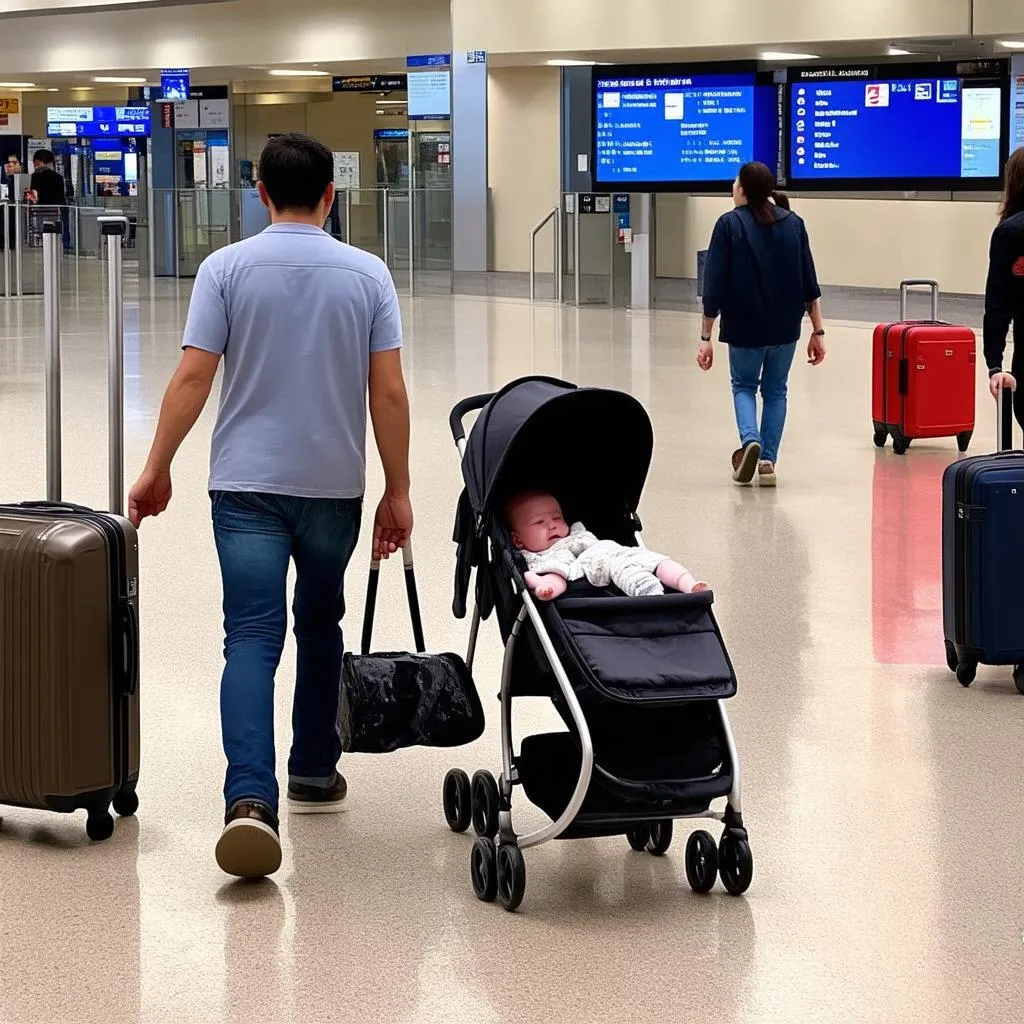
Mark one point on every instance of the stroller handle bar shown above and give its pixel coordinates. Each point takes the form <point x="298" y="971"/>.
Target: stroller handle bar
<point x="461" y="410"/>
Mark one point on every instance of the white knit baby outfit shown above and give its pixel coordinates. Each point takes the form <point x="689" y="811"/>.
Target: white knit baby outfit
<point x="582" y="555"/>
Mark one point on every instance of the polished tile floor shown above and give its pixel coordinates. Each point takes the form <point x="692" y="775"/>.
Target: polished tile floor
<point x="884" y="801"/>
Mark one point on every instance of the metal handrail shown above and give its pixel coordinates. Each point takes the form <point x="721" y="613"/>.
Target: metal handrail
<point x="555" y="213"/>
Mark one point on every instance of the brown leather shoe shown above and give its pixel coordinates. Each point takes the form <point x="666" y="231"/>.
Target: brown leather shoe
<point x="249" y="846"/>
<point x="744" y="462"/>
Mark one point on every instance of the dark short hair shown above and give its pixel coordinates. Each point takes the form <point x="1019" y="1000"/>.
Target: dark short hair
<point x="296" y="170"/>
<point x="44" y="156"/>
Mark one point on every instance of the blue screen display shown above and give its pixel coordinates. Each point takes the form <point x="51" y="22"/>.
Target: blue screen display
<point x="97" y="122"/>
<point x="174" y="83"/>
<point x="674" y="128"/>
<point x="914" y="128"/>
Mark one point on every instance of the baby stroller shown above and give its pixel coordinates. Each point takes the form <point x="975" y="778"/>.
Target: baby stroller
<point x="639" y="681"/>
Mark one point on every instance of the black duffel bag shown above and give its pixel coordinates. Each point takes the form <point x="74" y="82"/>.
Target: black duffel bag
<point x="395" y="700"/>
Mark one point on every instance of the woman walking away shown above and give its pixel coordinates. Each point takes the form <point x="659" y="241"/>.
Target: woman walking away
<point x="760" y="279"/>
<point x="1004" y="294"/>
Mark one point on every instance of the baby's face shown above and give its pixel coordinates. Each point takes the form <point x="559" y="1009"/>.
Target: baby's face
<point x="537" y="522"/>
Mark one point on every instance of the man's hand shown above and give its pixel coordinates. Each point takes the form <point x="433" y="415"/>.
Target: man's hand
<point x="998" y="381"/>
<point x="816" y="350"/>
<point x="392" y="525"/>
<point x="150" y="495"/>
<point x="706" y="355"/>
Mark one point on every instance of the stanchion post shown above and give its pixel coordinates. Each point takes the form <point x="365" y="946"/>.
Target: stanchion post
<point x="7" y="250"/>
<point x="113" y="230"/>
<point x="51" y="334"/>
<point x="18" y="242"/>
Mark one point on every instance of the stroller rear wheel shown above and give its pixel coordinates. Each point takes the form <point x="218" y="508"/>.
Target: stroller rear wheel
<point x="661" y="838"/>
<point x="735" y="864"/>
<point x="511" y="876"/>
<point x="458" y="802"/>
<point x="485" y="804"/>
<point x="639" y="837"/>
<point x="483" y="869"/>
<point x="701" y="861"/>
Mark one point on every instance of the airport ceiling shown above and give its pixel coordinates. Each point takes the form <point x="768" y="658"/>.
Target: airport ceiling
<point x="317" y="77"/>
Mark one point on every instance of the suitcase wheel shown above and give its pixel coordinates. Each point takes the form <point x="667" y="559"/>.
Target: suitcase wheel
<point x="966" y="673"/>
<point x="1018" y="678"/>
<point x="126" y="803"/>
<point x="952" y="659"/>
<point x="99" y="826"/>
<point x="900" y="445"/>
<point x="881" y="436"/>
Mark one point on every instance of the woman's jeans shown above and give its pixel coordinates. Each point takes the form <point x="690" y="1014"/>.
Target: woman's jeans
<point x="767" y="368"/>
<point x="257" y="536"/>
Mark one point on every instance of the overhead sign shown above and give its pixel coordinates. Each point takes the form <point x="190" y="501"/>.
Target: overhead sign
<point x="174" y="83"/>
<point x="429" y="60"/>
<point x="370" y="83"/>
<point x="391" y="133"/>
<point x="96" y="122"/>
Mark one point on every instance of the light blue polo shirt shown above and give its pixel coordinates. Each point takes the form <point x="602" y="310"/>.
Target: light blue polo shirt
<point x="296" y="315"/>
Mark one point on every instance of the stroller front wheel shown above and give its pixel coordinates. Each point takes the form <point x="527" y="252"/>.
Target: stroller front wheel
<point x="511" y="876"/>
<point x="661" y="838"/>
<point x="639" y="837"/>
<point x="458" y="803"/>
<point x="483" y="870"/>
<point x="701" y="861"/>
<point x="735" y="864"/>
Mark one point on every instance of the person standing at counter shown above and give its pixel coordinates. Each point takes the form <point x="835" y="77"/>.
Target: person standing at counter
<point x="1004" y="292"/>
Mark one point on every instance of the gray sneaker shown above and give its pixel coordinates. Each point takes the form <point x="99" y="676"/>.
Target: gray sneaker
<point x="303" y="799"/>
<point x="250" y="845"/>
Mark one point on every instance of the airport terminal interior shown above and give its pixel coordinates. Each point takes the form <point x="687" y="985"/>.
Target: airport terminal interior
<point x="538" y="219"/>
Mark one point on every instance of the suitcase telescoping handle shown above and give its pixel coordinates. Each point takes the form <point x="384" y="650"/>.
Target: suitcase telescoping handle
<point x="113" y="229"/>
<point x="918" y="282"/>
<point x="411" y="593"/>
<point x="1004" y="421"/>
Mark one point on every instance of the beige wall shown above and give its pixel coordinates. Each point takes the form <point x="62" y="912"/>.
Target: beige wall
<point x="869" y="243"/>
<point x="523" y="162"/>
<point x="253" y="33"/>
<point x="540" y="26"/>
<point x="998" y="17"/>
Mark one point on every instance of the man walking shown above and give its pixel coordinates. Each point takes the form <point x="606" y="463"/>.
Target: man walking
<point x="305" y="326"/>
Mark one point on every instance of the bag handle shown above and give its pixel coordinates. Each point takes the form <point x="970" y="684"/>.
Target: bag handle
<point x="1004" y="421"/>
<point x="919" y="282"/>
<point x="411" y="593"/>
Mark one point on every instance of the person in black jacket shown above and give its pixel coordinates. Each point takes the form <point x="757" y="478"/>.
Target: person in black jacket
<point x="1004" y="293"/>
<point x="47" y="184"/>
<point x="760" y="278"/>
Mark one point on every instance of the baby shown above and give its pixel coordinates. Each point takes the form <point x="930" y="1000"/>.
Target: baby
<point x="556" y="554"/>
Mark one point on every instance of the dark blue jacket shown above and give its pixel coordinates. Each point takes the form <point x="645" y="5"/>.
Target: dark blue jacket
<point x="1004" y="293"/>
<point x="759" y="278"/>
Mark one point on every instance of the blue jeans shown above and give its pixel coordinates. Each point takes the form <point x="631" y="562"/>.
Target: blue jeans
<point x="767" y="368"/>
<point x="257" y="535"/>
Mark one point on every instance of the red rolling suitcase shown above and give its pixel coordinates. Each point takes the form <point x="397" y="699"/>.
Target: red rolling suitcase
<point x="923" y="377"/>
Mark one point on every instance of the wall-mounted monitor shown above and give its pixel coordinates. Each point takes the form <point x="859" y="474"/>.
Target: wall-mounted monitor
<point x="670" y="128"/>
<point x="97" y="122"/>
<point x="898" y="126"/>
<point x="175" y="83"/>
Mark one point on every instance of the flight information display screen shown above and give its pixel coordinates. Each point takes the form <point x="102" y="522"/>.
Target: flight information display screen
<point x="668" y="126"/>
<point x="865" y="129"/>
<point x="97" y="122"/>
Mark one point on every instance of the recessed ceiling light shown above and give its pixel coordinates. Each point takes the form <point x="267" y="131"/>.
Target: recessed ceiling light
<point x="392" y="103"/>
<point x="17" y="85"/>
<point x="119" y="80"/>
<point x="569" y="62"/>
<point x="898" y="51"/>
<point x="784" y="55"/>
<point x="1012" y="44"/>
<point x="298" y="73"/>
<point x="52" y="89"/>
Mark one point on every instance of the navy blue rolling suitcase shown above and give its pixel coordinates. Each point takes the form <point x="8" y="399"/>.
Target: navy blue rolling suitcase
<point x="983" y="558"/>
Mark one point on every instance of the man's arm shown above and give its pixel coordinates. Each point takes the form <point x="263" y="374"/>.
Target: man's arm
<point x="389" y="413"/>
<point x="998" y="300"/>
<point x="184" y="400"/>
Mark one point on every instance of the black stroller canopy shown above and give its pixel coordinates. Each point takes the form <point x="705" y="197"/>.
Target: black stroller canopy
<point x="590" y="447"/>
